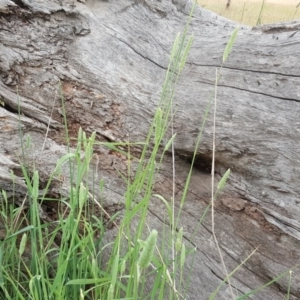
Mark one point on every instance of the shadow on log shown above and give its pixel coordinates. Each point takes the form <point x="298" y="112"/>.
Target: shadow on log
<point x="109" y="59"/>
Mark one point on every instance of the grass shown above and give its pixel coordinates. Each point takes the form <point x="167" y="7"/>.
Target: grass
<point x="69" y="257"/>
<point x="250" y="12"/>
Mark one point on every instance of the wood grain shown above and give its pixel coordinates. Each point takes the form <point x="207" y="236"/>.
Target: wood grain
<point x="108" y="59"/>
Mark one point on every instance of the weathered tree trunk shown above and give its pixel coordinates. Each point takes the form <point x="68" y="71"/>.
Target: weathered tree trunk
<point x="110" y="58"/>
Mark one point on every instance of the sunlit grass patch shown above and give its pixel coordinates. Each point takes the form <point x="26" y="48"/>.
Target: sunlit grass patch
<point x="248" y="12"/>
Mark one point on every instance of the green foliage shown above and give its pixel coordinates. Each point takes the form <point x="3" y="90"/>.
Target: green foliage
<point x="148" y="250"/>
<point x="259" y="21"/>
<point x="230" y="44"/>
<point x="67" y="258"/>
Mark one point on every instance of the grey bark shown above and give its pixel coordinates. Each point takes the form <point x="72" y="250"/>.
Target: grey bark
<point x="109" y="59"/>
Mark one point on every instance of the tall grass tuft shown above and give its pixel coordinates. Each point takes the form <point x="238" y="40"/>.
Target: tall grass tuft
<point x="67" y="258"/>
<point x="58" y="259"/>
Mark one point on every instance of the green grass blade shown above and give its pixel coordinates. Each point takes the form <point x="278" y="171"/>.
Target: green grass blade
<point x="230" y="44"/>
<point x="263" y="286"/>
<point x="223" y="180"/>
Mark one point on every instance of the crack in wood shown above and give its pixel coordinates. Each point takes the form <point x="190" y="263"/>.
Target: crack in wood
<point x="287" y="225"/>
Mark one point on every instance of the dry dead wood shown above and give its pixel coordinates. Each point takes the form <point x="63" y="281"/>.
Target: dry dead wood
<point x="110" y="58"/>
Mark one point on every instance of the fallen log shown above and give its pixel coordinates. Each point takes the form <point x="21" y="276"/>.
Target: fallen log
<point x="109" y="59"/>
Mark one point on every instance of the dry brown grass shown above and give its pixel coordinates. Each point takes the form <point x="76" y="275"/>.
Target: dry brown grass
<point x="247" y="11"/>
